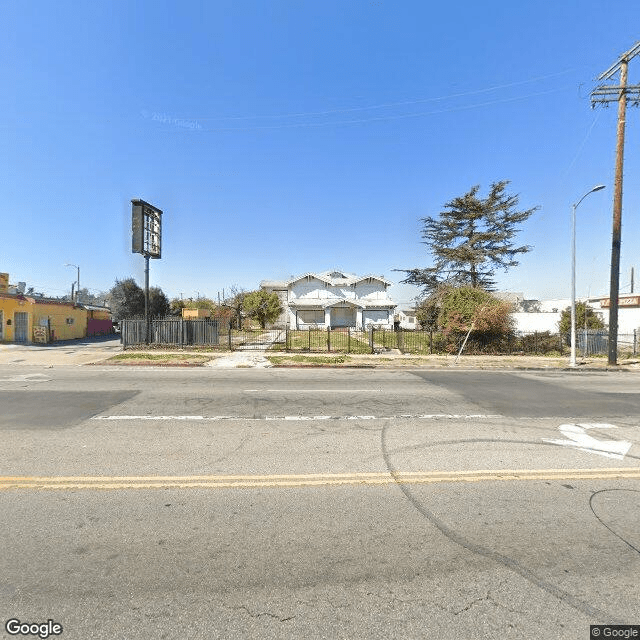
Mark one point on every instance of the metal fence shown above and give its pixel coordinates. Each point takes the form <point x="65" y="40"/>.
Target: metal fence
<point x="588" y="343"/>
<point x="202" y="332"/>
<point x="216" y="334"/>
<point x="170" y="332"/>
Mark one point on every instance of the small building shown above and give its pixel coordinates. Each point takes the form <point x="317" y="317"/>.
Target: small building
<point x="545" y="315"/>
<point x="98" y="320"/>
<point x="26" y="319"/>
<point x="193" y="314"/>
<point x="29" y="318"/>
<point x="406" y="319"/>
<point x="333" y="299"/>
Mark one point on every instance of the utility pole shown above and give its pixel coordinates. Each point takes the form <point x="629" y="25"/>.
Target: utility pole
<point x="77" y="298"/>
<point x="604" y="94"/>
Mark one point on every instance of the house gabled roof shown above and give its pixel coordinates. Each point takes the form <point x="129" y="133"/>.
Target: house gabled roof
<point x="323" y="304"/>
<point x="332" y="277"/>
<point x="371" y="277"/>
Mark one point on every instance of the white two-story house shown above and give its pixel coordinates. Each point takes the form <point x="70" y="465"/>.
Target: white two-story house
<point x="333" y="299"/>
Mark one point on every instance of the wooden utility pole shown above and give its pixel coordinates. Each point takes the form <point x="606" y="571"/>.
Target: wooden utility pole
<point x="605" y="94"/>
<point x="614" y="285"/>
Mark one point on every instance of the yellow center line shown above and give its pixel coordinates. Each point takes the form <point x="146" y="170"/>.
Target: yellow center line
<point x="310" y="479"/>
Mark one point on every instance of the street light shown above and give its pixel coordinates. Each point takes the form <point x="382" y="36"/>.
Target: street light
<point x="78" y="287"/>
<point x="572" y="362"/>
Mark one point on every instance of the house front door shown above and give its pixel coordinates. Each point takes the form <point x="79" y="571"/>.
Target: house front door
<point x="20" y="326"/>
<point x="343" y="317"/>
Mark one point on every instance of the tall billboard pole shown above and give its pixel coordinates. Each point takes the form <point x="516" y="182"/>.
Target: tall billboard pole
<point x="146" y="239"/>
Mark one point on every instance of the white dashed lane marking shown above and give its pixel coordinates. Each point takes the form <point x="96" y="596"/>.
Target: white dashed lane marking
<point x="421" y="416"/>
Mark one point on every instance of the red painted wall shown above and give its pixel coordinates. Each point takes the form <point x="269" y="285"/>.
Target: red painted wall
<point x="96" y="327"/>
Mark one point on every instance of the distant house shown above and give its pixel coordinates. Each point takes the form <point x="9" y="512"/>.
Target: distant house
<point x="333" y="299"/>
<point x="406" y="319"/>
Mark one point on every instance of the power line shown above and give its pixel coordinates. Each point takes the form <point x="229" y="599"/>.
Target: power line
<point x="301" y="125"/>
<point x="390" y="104"/>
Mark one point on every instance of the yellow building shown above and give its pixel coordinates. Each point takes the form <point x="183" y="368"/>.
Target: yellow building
<point x="27" y="319"/>
<point x="192" y="314"/>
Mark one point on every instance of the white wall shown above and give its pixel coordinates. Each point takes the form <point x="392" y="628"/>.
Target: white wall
<point x="628" y="320"/>
<point x="536" y="321"/>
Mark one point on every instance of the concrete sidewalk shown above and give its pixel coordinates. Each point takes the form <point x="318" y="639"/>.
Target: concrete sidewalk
<point x="69" y="353"/>
<point x="99" y="350"/>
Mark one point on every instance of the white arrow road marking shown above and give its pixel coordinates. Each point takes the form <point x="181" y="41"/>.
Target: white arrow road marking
<point x="578" y="438"/>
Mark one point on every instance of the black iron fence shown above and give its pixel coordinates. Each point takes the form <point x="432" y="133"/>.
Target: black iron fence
<point x="202" y="332"/>
<point x="216" y="334"/>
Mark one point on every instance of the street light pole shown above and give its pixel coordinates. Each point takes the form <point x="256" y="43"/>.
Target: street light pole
<point x="572" y="361"/>
<point x="78" y="286"/>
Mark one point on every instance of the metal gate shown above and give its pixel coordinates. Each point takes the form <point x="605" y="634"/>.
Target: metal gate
<point x="260" y="339"/>
<point x="20" y="326"/>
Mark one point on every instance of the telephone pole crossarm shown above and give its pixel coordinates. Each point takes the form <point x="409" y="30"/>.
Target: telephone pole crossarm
<point x="604" y="95"/>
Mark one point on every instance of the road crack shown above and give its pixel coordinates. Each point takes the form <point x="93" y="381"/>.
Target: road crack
<point x="260" y="614"/>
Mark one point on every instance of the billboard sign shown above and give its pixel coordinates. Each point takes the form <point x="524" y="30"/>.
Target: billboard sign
<point x="628" y="301"/>
<point x="146" y="229"/>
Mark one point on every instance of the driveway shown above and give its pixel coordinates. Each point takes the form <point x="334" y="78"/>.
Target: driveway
<point x="69" y="352"/>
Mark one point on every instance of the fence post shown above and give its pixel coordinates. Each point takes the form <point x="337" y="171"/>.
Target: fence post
<point x="286" y="338"/>
<point x="230" y="343"/>
<point x="329" y="339"/>
<point x="371" y="338"/>
<point x="181" y="333"/>
<point x="309" y="339"/>
<point x="430" y="341"/>
<point x="635" y="342"/>
<point x="349" y="340"/>
<point x="400" y="340"/>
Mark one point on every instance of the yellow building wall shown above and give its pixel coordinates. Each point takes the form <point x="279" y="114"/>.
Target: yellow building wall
<point x="196" y="313"/>
<point x="8" y="307"/>
<point x="98" y="314"/>
<point x="65" y="322"/>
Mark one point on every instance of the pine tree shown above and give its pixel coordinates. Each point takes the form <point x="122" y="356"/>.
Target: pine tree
<point x="470" y="239"/>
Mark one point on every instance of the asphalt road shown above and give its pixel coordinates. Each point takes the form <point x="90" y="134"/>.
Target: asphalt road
<point x="204" y="503"/>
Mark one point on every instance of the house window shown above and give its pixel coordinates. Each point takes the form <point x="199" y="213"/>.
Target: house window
<point x="311" y="316"/>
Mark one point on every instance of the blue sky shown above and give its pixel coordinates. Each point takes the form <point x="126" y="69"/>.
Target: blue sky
<point x="287" y="136"/>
